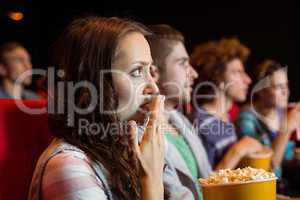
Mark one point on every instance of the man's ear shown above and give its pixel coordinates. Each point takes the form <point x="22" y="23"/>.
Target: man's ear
<point x="3" y="71"/>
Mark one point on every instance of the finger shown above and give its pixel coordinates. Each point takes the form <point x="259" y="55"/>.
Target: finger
<point x="161" y="107"/>
<point x="162" y="142"/>
<point x="150" y="131"/>
<point x="158" y="133"/>
<point x="157" y="107"/>
<point x="134" y="135"/>
<point x="160" y="119"/>
<point x="160" y="136"/>
<point x="152" y="123"/>
<point x="154" y="107"/>
<point x="159" y="122"/>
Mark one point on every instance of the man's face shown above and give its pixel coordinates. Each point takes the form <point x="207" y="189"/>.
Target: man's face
<point x="177" y="76"/>
<point x="17" y="62"/>
<point x="236" y="81"/>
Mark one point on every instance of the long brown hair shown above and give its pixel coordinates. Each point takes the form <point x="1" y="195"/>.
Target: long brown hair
<point x="87" y="46"/>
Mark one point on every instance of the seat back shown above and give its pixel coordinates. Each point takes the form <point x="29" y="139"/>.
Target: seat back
<point x="23" y="137"/>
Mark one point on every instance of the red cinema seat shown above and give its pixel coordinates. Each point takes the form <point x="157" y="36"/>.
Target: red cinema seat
<point x="234" y="112"/>
<point x="23" y="137"/>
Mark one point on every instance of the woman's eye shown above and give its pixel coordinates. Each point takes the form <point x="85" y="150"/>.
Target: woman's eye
<point x="136" y="72"/>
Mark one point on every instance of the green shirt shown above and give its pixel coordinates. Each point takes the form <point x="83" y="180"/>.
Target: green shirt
<point x="188" y="156"/>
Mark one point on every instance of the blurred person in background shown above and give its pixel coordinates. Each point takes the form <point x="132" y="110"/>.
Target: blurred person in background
<point x="175" y="80"/>
<point x="266" y="117"/>
<point x="14" y="61"/>
<point x="222" y="82"/>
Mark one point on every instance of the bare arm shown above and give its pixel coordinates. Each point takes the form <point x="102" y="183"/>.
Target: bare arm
<point x="289" y="124"/>
<point x="236" y="152"/>
<point x="278" y="146"/>
<point x="231" y="158"/>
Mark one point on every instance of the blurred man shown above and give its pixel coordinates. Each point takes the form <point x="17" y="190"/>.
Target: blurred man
<point x="222" y="82"/>
<point x="175" y="80"/>
<point x="14" y="61"/>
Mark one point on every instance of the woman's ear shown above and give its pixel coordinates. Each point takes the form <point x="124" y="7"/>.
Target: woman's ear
<point x="3" y="71"/>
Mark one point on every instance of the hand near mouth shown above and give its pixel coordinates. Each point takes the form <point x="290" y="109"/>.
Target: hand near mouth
<point x="150" y="151"/>
<point x="144" y="110"/>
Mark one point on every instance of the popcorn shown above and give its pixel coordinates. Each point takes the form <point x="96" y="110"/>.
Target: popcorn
<point x="237" y="176"/>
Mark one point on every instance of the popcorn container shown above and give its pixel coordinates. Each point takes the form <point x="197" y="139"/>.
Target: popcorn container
<point x="240" y="184"/>
<point x="259" y="160"/>
<point x="252" y="190"/>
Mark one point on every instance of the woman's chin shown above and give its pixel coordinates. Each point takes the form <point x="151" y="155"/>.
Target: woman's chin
<point x="140" y="115"/>
<point x="138" y="118"/>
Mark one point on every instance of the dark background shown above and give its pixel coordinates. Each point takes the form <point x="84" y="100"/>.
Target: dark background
<point x="268" y="28"/>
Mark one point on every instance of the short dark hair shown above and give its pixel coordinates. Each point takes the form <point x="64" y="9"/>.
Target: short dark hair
<point x="7" y="47"/>
<point x="162" y="41"/>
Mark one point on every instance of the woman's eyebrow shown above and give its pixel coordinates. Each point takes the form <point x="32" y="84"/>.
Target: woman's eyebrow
<point x="144" y="63"/>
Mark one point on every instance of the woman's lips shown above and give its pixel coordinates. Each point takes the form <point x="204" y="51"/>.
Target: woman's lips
<point x="145" y="107"/>
<point x="141" y="113"/>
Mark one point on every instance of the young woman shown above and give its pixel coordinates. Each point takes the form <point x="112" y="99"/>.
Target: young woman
<point x="264" y="119"/>
<point x="109" y="57"/>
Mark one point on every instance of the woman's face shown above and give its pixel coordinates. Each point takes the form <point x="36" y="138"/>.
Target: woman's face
<point x="278" y="93"/>
<point x="132" y="76"/>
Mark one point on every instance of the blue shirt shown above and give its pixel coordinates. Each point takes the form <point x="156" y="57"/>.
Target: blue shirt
<point x="217" y="136"/>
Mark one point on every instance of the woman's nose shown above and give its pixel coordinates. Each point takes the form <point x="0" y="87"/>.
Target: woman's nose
<point x="151" y="87"/>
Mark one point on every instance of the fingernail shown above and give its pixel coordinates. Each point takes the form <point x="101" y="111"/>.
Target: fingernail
<point x="162" y="97"/>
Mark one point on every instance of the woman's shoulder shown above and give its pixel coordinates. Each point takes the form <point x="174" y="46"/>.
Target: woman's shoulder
<point x="60" y="148"/>
<point x="63" y="154"/>
<point x="71" y="174"/>
<point x="69" y="158"/>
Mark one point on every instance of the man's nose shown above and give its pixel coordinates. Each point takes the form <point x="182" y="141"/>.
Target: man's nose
<point x="247" y="79"/>
<point x="193" y="72"/>
<point x="27" y="64"/>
